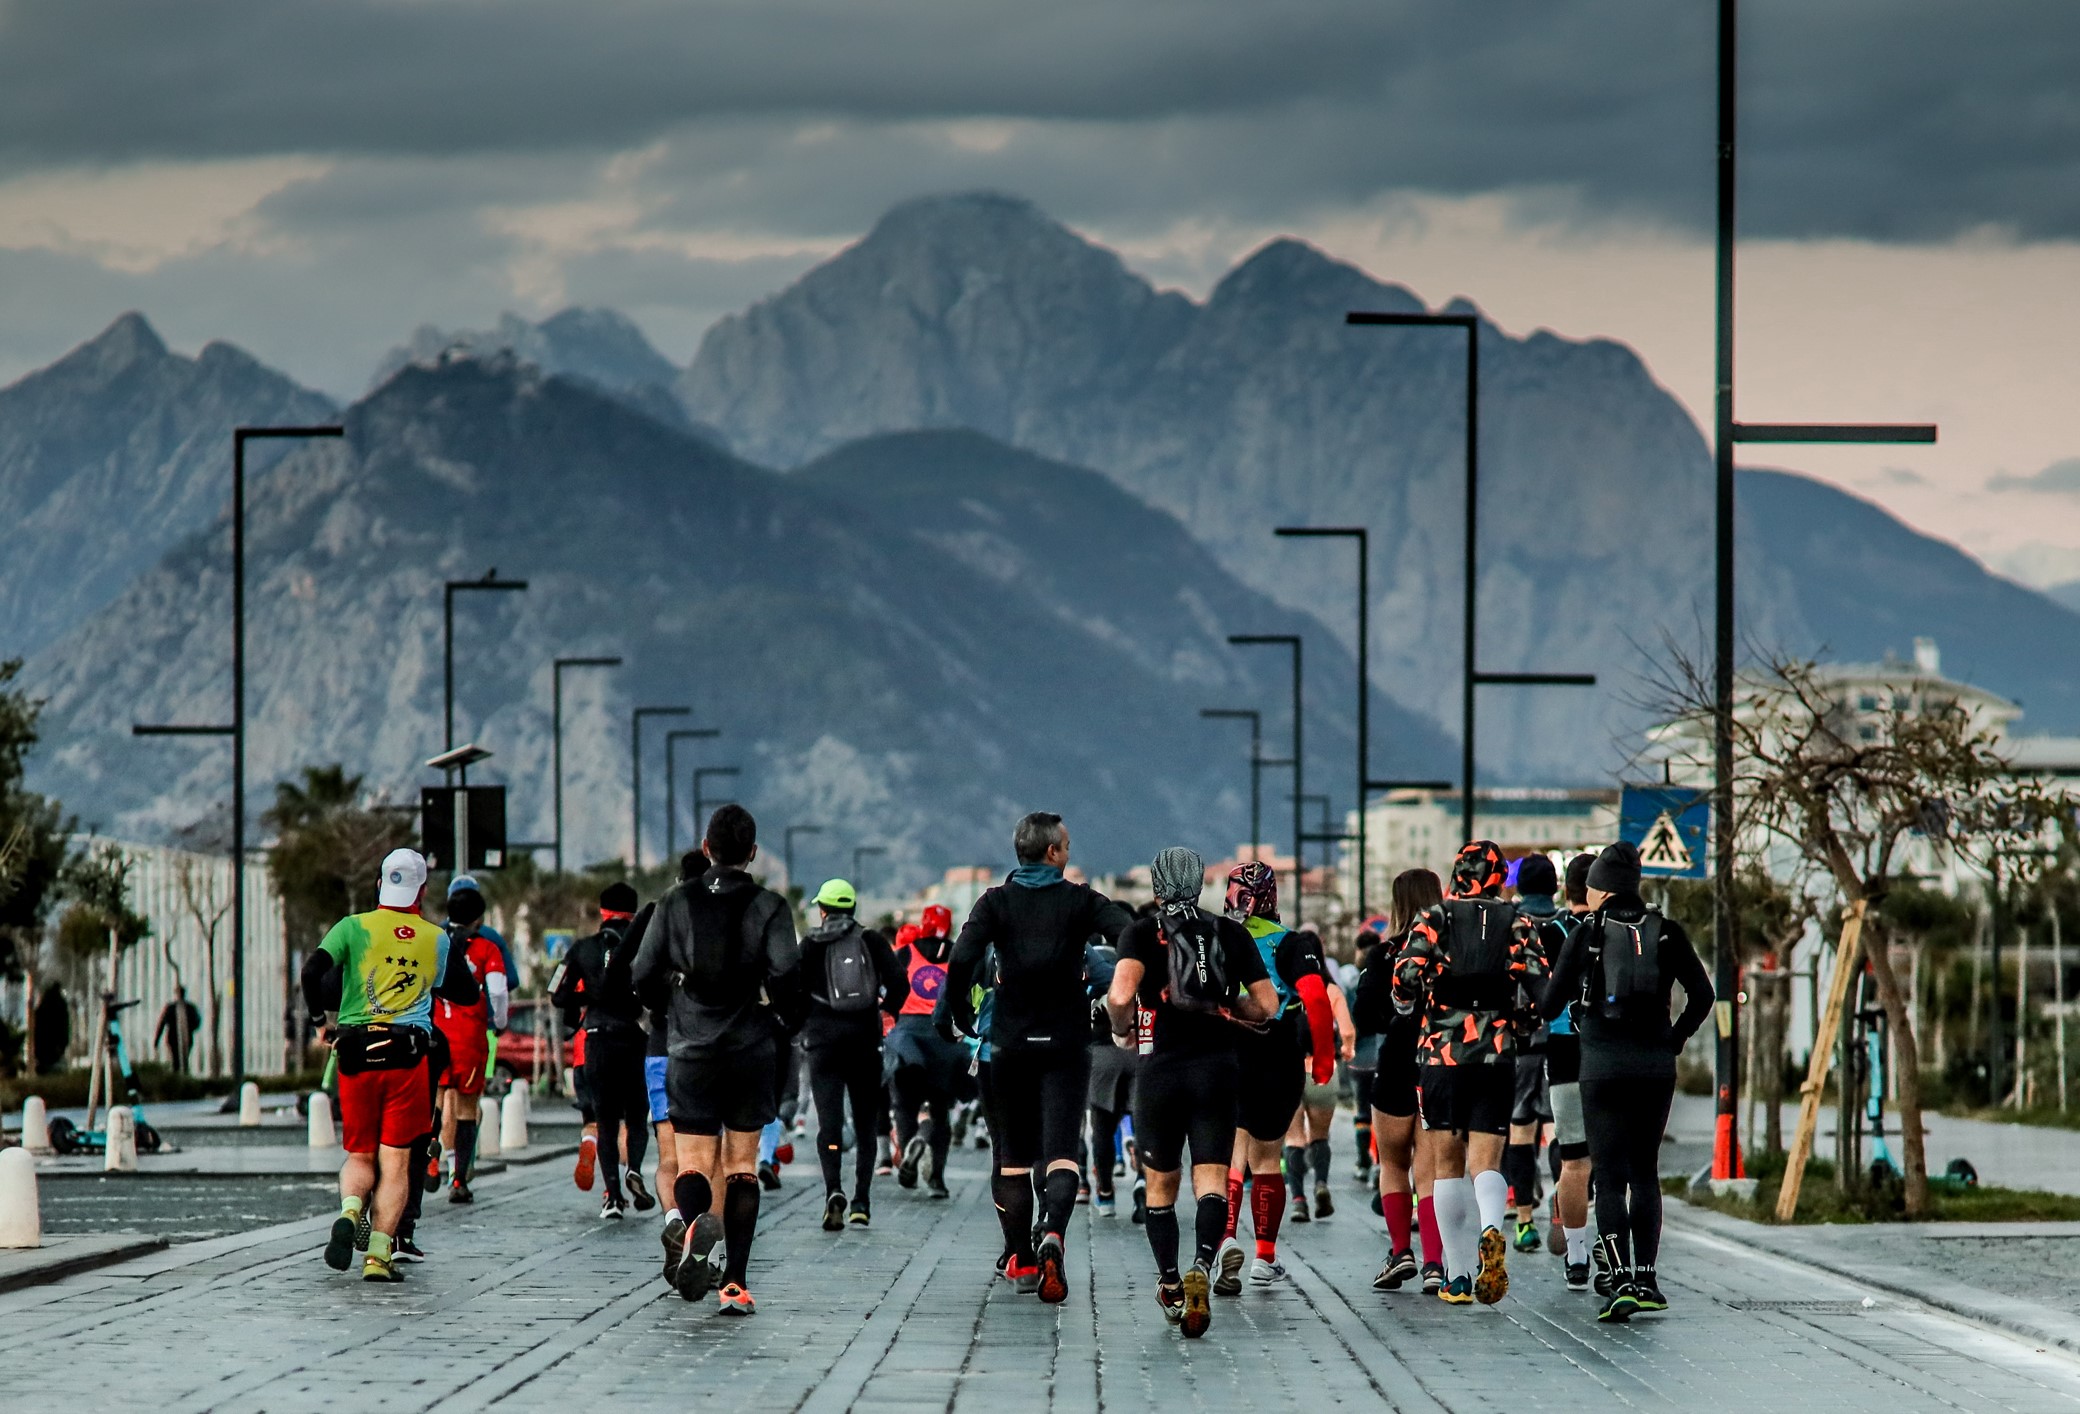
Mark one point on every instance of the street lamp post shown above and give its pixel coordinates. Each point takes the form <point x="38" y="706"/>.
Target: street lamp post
<point x="859" y="854"/>
<point x="490" y="581"/>
<point x="1357" y="534"/>
<point x="671" y="784"/>
<point x="700" y="775"/>
<point x="1292" y="641"/>
<point x="635" y="772"/>
<point x="788" y="846"/>
<point x="1256" y="767"/>
<point x="556" y="731"/>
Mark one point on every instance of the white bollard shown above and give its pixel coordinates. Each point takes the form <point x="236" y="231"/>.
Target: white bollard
<point x="36" y="1126"/>
<point x="21" y="1219"/>
<point x="323" y="1136"/>
<point x="248" y="1105"/>
<point x="488" y="1120"/>
<point x="512" y="1127"/>
<point x="120" y="1151"/>
<point x="523" y="1097"/>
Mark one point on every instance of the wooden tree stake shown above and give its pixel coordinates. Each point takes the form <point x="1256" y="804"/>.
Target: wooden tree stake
<point x="1847" y="953"/>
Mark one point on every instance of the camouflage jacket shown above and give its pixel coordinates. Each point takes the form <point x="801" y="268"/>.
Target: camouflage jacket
<point x="1458" y="1035"/>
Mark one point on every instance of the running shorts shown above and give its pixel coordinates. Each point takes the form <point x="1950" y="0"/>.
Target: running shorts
<point x="384" y="1107"/>
<point x="654" y="1068"/>
<point x="1530" y="1105"/>
<point x="716" y="1090"/>
<point x="1111" y="1085"/>
<point x="1268" y="1083"/>
<point x="1317" y="1097"/>
<point x="1180" y="1099"/>
<point x="1468" y="1099"/>
<point x="1039" y="1103"/>
<point x="469" y="1058"/>
<point x="1570" y="1134"/>
<point x="1394" y="1084"/>
<point x="581" y="1086"/>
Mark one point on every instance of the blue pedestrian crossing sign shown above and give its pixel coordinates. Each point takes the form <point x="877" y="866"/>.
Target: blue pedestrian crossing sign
<point x="1671" y="825"/>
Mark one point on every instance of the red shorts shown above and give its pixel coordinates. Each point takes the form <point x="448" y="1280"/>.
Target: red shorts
<point x="469" y="1053"/>
<point x="388" y="1107"/>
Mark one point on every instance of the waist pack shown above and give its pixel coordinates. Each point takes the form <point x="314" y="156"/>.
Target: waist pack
<point x="1198" y="972"/>
<point x="1629" y="958"/>
<point x="380" y="1047"/>
<point x="1476" y="952"/>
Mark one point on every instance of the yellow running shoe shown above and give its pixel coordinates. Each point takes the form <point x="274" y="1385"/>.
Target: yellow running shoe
<point x="1491" y="1284"/>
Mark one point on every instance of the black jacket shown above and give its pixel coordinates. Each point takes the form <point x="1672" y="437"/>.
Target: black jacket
<point x="1643" y="1041"/>
<point x="594" y="976"/>
<point x="1039" y="936"/>
<point x="755" y="991"/>
<point x="824" y="1026"/>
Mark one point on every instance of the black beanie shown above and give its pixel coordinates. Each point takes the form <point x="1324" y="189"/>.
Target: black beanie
<point x="1578" y="878"/>
<point x="1536" y="875"/>
<point x="1616" y="870"/>
<point x="618" y="897"/>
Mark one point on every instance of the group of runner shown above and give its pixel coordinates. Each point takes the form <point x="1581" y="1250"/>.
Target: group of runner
<point x="1092" y="1038"/>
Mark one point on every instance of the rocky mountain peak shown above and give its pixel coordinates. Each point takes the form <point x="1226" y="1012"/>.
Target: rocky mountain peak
<point x="130" y="341"/>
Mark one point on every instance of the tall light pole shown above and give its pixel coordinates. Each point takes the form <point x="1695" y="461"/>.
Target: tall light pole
<point x="701" y="775"/>
<point x="1256" y="766"/>
<point x="635" y="773"/>
<point x="788" y="846"/>
<point x="1726" y="432"/>
<point x="556" y="731"/>
<point x="1357" y="534"/>
<point x="671" y="784"/>
<point x="861" y="853"/>
<point x="1292" y="641"/>
<point x="490" y="582"/>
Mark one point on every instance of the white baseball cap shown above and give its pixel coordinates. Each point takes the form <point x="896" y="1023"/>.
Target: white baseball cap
<point x="404" y="875"/>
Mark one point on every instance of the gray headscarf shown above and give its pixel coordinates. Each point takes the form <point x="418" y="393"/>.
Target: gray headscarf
<point x="1179" y="876"/>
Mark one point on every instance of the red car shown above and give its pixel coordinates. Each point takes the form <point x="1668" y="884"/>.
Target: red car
<point x="523" y="1047"/>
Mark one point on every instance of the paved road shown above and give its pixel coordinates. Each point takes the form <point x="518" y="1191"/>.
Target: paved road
<point x="532" y="1303"/>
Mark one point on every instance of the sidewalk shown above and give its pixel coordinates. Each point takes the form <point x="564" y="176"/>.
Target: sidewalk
<point x="531" y="1302"/>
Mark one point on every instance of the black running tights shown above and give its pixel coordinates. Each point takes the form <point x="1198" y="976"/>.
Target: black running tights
<point x="915" y="1091"/>
<point x="1626" y="1116"/>
<point x="841" y="1072"/>
<point x="620" y="1097"/>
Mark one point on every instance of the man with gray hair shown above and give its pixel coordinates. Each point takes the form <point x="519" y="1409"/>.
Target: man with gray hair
<point x="1184" y="978"/>
<point x="1037" y="922"/>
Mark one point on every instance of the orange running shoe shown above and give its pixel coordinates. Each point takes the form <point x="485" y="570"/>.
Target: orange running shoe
<point x="735" y="1301"/>
<point x="588" y="1156"/>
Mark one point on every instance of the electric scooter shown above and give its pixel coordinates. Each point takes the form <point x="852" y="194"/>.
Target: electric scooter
<point x="68" y="1138"/>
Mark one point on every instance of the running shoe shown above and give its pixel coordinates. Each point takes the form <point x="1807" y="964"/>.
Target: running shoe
<point x="913" y="1154"/>
<point x="361" y="1227"/>
<point x="1171" y="1298"/>
<point x="1299" y="1213"/>
<point x="784" y="1154"/>
<point x="937" y="1187"/>
<point x="859" y="1216"/>
<point x="768" y="1177"/>
<point x="1263" y="1273"/>
<point x="1622" y="1307"/>
<point x="374" y="1268"/>
<point x="733" y="1300"/>
<point x="339" y="1247"/>
<point x="612" y="1206"/>
<point x="1324" y="1204"/>
<point x="1577" y="1276"/>
<point x="696" y="1274"/>
<point x="1140" y="1202"/>
<point x="1083" y="1195"/>
<point x="1361" y="1170"/>
<point x="1605" y="1285"/>
<point x="1198" y="1309"/>
<point x="1228" y="1268"/>
<point x="1054" y="1280"/>
<point x="406" y="1250"/>
<point x="1491" y="1283"/>
<point x="458" y="1192"/>
<point x="433" y="1164"/>
<point x="1647" y="1291"/>
<point x="834" y="1212"/>
<point x="928" y="1168"/>
<point x="1527" y="1237"/>
<point x="674" y="1239"/>
<point x="637" y="1193"/>
<point x="884" y="1157"/>
<point x="1400" y="1266"/>
<point x="1023" y="1276"/>
<point x="1433" y="1278"/>
<point x="588" y="1157"/>
<point x="1104" y="1205"/>
<point x="1456" y="1292"/>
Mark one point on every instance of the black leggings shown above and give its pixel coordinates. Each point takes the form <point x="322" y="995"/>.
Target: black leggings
<point x="1626" y="1116"/>
<point x="841" y="1072"/>
<point x="620" y="1096"/>
<point x="914" y="1090"/>
<point x="1104" y="1147"/>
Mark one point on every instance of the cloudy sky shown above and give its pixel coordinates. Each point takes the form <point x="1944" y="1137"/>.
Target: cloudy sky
<point x="314" y="178"/>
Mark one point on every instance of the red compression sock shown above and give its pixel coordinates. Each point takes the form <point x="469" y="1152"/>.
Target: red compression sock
<point x="1236" y="1178"/>
<point x="1399" y="1208"/>
<point x="1433" y="1238"/>
<point x="1267" y="1204"/>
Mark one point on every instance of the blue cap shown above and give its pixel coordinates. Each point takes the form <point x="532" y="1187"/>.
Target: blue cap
<point x="462" y="883"/>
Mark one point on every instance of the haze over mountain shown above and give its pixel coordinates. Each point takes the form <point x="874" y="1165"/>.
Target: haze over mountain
<point x="910" y="645"/>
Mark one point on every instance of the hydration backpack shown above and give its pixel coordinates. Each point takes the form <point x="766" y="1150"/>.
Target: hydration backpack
<point x="1198" y="971"/>
<point x="1477" y="936"/>
<point x="1630" y="963"/>
<point x="850" y="983"/>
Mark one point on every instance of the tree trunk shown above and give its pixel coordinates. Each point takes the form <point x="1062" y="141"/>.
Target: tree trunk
<point x="1913" y="1157"/>
<point x="216" y="1048"/>
<point x="1778" y="1014"/>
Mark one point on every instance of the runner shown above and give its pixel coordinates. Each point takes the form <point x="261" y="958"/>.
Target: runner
<point x="1307" y="1137"/>
<point x="1407" y="1154"/>
<point x="1178" y="1014"/>
<point x="384" y="966"/>
<point x="656" y="1061"/>
<point x="1563" y="1076"/>
<point x="467" y="1032"/>
<point x="1620" y="967"/>
<point x="850" y="974"/>
<point x="720" y="955"/>
<point x="1110" y="1093"/>
<point x="1463" y="971"/>
<point x="1037" y="921"/>
<point x="928" y="1074"/>
<point x="596" y="973"/>
<point x="1269" y="1073"/>
<point x="1536" y="883"/>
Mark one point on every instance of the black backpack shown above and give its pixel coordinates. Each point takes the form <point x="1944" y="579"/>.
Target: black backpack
<point x="1629" y="962"/>
<point x="850" y="983"/>
<point x="714" y="974"/>
<point x="1198" y="969"/>
<point x="1477" y="943"/>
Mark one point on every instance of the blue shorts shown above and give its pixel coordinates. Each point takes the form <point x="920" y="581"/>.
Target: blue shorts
<point x="653" y="1081"/>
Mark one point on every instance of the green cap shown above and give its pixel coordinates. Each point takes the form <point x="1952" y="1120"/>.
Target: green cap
<point x="836" y="893"/>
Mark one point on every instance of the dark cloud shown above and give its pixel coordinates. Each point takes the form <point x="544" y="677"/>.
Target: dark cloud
<point x="2061" y="478"/>
<point x="1893" y="119"/>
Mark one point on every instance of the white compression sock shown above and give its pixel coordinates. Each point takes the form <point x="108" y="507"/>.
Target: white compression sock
<point x="1453" y="1198"/>
<point x="1577" y="1246"/>
<point x="1491" y="1192"/>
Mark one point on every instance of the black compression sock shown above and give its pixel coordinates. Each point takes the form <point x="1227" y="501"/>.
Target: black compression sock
<point x="1521" y="1169"/>
<point x="1211" y="1227"/>
<point x="1162" y="1240"/>
<point x="739" y="1223"/>
<point x="1296" y="1168"/>
<point x="1014" y="1195"/>
<point x="466" y="1147"/>
<point x="691" y="1195"/>
<point x="1061" y="1199"/>
<point x="1318" y="1155"/>
<point x="415" y="1185"/>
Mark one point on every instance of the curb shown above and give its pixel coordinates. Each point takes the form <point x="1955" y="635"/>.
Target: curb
<point x="68" y="1265"/>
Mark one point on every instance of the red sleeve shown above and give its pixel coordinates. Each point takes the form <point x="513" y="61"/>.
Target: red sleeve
<point x="1314" y="996"/>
